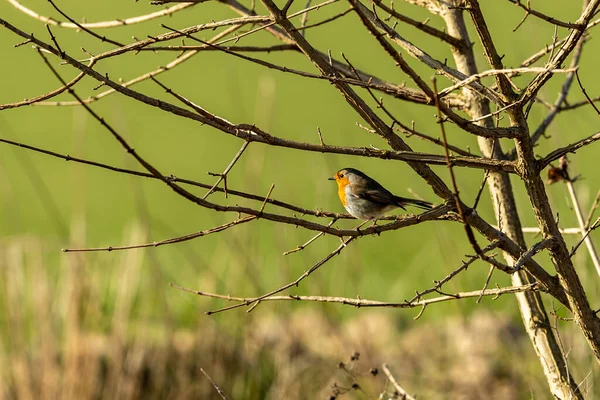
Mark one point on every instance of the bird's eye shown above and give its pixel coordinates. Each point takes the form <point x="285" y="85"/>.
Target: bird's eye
<point x="341" y="175"/>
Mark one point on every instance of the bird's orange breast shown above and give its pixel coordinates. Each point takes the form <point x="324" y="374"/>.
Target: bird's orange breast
<point x="342" y="183"/>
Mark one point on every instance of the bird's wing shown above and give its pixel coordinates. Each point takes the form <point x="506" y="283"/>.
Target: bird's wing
<point x="380" y="195"/>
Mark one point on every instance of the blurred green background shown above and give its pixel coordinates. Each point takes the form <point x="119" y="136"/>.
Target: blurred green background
<point x="107" y="324"/>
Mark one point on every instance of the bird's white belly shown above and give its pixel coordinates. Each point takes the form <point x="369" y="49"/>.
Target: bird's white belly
<point x="364" y="209"/>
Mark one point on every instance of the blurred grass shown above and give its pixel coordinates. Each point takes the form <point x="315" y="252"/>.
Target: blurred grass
<point x="112" y="306"/>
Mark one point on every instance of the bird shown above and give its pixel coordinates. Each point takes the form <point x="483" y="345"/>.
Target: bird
<point x="365" y="198"/>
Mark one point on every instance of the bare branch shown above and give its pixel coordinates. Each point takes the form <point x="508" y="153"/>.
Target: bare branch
<point x="83" y="28"/>
<point x="574" y="38"/>
<point x="223" y="176"/>
<point x="489" y="48"/>
<point x="179" y="239"/>
<point x="421" y="26"/>
<point x="585" y="231"/>
<point x="256" y="300"/>
<point x="593" y="208"/>
<point x="536" y="248"/>
<point x="359" y="303"/>
<point x="561" y="98"/>
<point x="499" y="72"/>
<point x="217" y="388"/>
<point x="396" y="91"/>
<point x="572" y="148"/>
<point x="451" y="275"/>
<point x="401" y="392"/>
<point x="585" y="236"/>
<point x="545" y="17"/>
<point x="103" y="24"/>
<point x="585" y="94"/>
<point x="422" y="56"/>
<point x="177" y="61"/>
<point x="251" y="133"/>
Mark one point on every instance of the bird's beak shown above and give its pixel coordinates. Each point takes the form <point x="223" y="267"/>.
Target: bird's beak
<point x="331" y="179"/>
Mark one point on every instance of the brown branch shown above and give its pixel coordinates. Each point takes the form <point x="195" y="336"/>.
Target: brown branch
<point x="419" y="54"/>
<point x="48" y="95"/>
<point x="438" y="284"/>
<point x="303" y="246"/>
<point x="402" y="127"/>
<point x="547" y="18"/>
<point x="536" y="248"/>
<point x="232" y="51"/>
<point x="593" y="208"/>
<point x="253" y="134"/>
<point x="103" y="24"/>
<point x="83" y="28"/>
<point x="179" y="239"/>
<point x="268" y="25"/>
<point x="399" y="92"/>
<point x="300" y="210"/>
<point x="373" y="23"/>
<point x="256" y="300"/>
<point x="325" y="21"/>
<point x="241" y="49"/>
<point x="585" y="93"/>
<point x="585" y="236"/>
<point x="223" y="176"/>
<point x="177" y="61"/>
<point x="572" y="106"/>
<point x="574" y="38"/>
<point x="561" y="98"/>
<point x="421" y="26"/>
<point x="481" y="225"/>
<point x="217" y="388"/>
<point x="456" y="195"/>
<point x="585" y="230"/>
<point x="396" y="143"/>
<point x="572" y="148"/>
<point x="489" y="49"/>
<point x="401" y="392"/>
<point x="359" y="303"/>
<point x="189" y="196"/>
<point x="499" y="72"/>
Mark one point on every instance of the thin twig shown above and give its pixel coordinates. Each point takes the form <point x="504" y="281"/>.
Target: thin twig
<point x="487" y="282"/>
<point x="545" y="17"/>
<point x="148" y="75"/>
<point x="178" y="239"/>
<point x="585" y="93"/>
<point x="584" y="237"/>
<point x="103" y="24"/>
<point x="402" y="394"/>
<point x="223" y="176"/>
<point x="438" y="284"/>
<point x="593" y="208"/>
<point x="82" y="27"/>
<point x="306" y="274"/>
<point x="572" y="148"/>
<point x="459" y="208"/>
<point x="262" y="206"/>
<point x="302" y="246"/>
<point x="359" y="302"/>
<point x="536" y="248"/>
<point x="217" y="388"/>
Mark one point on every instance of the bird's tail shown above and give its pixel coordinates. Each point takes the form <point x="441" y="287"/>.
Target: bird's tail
<point x="402" y="201"/>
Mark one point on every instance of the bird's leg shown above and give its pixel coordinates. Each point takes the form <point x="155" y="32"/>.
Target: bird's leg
<point x="374" y="225"/>
<point x="360" y="226"/>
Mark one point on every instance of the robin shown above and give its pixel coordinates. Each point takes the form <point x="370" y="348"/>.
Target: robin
<point x="364" y="198"/>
